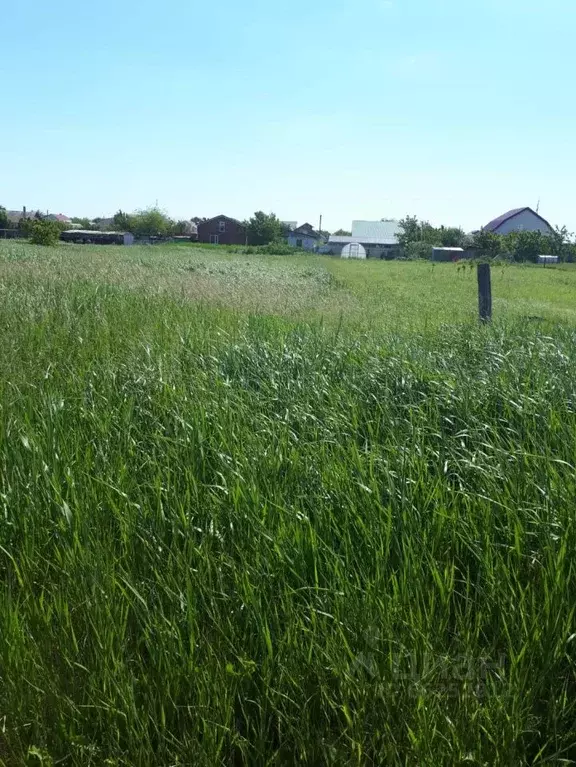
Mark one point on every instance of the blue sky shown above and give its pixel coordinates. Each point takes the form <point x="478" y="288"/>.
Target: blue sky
<point x="453" y="110"/>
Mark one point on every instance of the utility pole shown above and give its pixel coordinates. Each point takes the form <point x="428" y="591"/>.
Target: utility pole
<point x="320" y="224"/>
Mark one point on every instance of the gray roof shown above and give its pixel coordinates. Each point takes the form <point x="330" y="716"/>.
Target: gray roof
<point x="16" y="215"/>
<point x="336" y="238"/>
<point x="215" y="218"/>
<point x="385" y="232"/>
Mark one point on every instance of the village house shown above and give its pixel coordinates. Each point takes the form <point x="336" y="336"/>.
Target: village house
<point x="222" y="230"/>
<point x="15" y="216"/>
<point x="519" y="220"/>
<point x="59" y="217"/>
<point x="304" y="236"/>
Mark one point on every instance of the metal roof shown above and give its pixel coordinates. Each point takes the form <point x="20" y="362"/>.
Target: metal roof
<point x="336" y="238"/>
<point x="90" y="231"/>
<point x="215" y="218"/>
<point x="382" y="231"/>
<point x="16" y="215"/>
<point x="496" y="223"/>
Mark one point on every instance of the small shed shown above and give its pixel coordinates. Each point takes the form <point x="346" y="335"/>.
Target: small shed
<point x="88" y="237"/>
<point x="548" y="260"/>
<point x="447" y="254"/>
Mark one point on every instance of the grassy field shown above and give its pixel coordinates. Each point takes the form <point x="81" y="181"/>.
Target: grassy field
<point x="284" y="510"/>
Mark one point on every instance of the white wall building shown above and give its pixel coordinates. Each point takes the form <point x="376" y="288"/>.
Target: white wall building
<point x="377" y="239"/>
<point x="519" y="220"/>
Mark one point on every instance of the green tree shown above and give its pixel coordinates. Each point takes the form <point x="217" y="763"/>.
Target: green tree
<point x="181" y="228"/>
<point x="416" y="250"/>
<point x="451" y="237"/>
<point x="82" y="223"/>
<point x="263" y="228"/>
<point x="410" y="230"/>
<point x="151" y="222"/>
<point x="489" y="244"/>
<point x="25" y="226"/>
<point x="45" y="232"/>
<point x="559" y="243"/>
<point x="122" y="222"/>
<point x="526" y="246"/>
<point x="413" y="230"/>
<point x="4" y="220"/>
<point x="342" y="233"/>
<point x="430" y="234"/>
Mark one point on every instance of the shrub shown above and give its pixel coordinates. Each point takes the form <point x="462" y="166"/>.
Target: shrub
<point x="25" y="225"/>
<point x="417" y="250"/>
<point x="45" y="232"/>
<point x="278" y="248"/>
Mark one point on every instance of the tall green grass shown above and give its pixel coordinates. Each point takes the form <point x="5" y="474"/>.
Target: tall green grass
<point x="228" y="538"/>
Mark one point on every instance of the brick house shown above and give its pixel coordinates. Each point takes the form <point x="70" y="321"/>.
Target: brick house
<point x="222" y="230"/>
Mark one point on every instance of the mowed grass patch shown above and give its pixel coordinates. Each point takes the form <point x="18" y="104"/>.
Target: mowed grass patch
<point x="227" y="537"/>
<point x="420" y="294"/>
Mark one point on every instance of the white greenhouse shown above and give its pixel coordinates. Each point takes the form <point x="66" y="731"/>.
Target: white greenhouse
<point x="353" y="250"/>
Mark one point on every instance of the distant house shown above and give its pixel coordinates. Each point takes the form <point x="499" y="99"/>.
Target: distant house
<point x="519" y="220"/>
<point x="222" y="230"/>
<point x="60" y="217"/>
<point x="15" y="216"/>
<point x="305" y="237"/>
<point x="369" y="239"/>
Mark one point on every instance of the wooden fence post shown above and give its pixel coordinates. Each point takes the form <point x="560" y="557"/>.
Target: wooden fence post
<point x="484" y="293"/>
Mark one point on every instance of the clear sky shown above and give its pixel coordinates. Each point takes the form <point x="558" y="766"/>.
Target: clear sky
<point x="453" y="110"/>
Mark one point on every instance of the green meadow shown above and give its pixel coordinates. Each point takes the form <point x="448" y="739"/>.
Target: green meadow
<point x="260" y="510"/>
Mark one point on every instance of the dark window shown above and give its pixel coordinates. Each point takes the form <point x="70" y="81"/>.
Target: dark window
<point x="298" y="243"/>
<point x="222" y="226"/>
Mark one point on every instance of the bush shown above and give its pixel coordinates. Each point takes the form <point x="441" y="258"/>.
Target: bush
<point x="417" y="250"/>
<point x="25" y="225"/>
<point x="278" y="248"/>
<point x="45" y="232"/>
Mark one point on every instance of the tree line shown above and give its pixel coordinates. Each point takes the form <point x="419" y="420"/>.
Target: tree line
<point x="418" y="237"/>
<point x="261" y="228"/>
